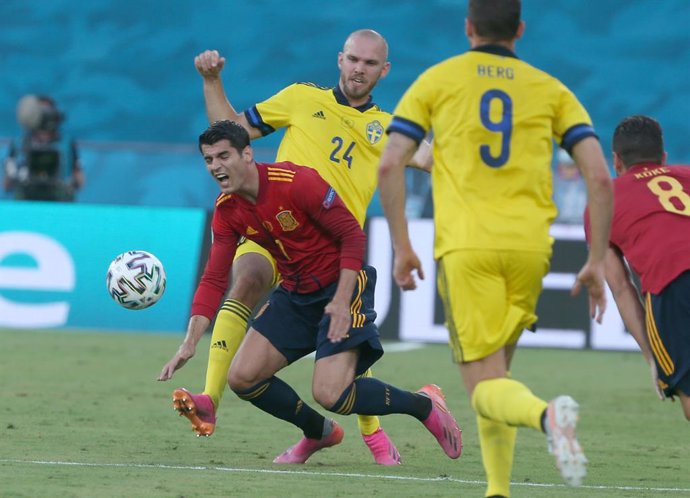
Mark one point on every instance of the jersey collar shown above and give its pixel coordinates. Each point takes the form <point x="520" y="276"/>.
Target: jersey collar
<point x="496" y="50"/>
<point x="646" y="165"/>
<point x="342" y="100"/>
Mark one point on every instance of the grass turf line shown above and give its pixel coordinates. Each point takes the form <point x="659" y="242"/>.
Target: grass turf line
<point x="91" y="399"/>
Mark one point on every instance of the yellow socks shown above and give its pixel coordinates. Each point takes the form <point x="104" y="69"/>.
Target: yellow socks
<point x="502" y="405"/>
<point x="228" y="332"/>
<point x="508" y="401"/>
<point x="368" y="424"/>
<point x="497" y="442"/>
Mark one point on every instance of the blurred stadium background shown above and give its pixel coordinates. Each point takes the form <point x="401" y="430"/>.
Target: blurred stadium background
<point x="123" y="73"/>
<point x="82" y="415"/>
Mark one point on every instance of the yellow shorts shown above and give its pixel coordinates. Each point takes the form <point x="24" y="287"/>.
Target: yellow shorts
<point x="246" y="246"/>
<point x="489" y="298"/>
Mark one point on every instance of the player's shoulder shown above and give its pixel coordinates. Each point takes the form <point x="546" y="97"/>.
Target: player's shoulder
<point x="460" y="62"/>
<point x="223" y="200"/>
<point x="309" y="84"/>
<point x="451" y="61"/>
<point x="289" y="171"/>
<point x="377" y="109"/>
<point x="459" y="67"/>
<point x="281" y="172"/>
<point x="306" y="92"/>
<point x="296" y="181"/>
<point x="540" y="74"/>
<point x="307" y="87"/>
<point x="679" y="171"/>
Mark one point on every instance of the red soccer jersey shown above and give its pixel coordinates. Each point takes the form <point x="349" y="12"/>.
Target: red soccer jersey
<point x="298" y="218"/>
<point x="651" y="222"/>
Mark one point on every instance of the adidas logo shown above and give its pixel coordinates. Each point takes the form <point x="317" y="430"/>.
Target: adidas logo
<point x="319" y="114"/>
<point x="220" y="345"/>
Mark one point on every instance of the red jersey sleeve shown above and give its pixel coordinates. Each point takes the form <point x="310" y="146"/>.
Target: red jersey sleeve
<point x="214" y="281"/>
<point x="328" y="211"/>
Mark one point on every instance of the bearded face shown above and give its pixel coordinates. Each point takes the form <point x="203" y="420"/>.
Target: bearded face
<point x="362" y="63"/>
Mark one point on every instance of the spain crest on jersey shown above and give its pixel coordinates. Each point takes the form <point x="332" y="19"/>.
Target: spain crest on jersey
<point x="287" y="221"/>
<point x="374" y="132"/>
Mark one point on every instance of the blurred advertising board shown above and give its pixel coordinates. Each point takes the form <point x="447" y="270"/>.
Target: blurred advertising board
<point x="564" y="321"/>
<point x="54" y="258"/>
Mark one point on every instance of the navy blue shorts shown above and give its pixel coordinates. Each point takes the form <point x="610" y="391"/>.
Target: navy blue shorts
<point x="668" y="329"/>
<point x="296" y="325"/>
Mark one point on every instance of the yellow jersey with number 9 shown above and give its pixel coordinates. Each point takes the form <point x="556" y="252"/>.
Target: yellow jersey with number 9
<point x="341" y="142"/>
<point x="494" y="119"/>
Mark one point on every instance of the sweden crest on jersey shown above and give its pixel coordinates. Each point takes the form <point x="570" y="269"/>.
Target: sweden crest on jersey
<point x="374" y="132"/>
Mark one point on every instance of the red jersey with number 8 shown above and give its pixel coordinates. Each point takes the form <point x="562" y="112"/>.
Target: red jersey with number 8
<point x="651" y="222"/>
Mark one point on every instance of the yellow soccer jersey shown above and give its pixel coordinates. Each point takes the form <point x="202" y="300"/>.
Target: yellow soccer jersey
<point x="324" y="132"/>
<point x="494" y="118"/>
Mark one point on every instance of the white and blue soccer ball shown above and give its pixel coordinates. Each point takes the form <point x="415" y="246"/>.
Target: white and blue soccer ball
<point x="136" y="280"/>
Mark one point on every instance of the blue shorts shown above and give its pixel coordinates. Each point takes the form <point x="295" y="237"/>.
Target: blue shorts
<point x="668" y="329"/>
<point x="296" y="325"/>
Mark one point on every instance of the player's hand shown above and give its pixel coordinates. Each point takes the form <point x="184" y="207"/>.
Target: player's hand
<point x="209" y="63"/>
<point x="593" y="277"/>
<point x="184" y="353"/>
<point x="341" y="320"/>
<point x="405" y="262"/>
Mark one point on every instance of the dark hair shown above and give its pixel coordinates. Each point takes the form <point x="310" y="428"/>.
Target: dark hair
<point x="638" y="139"/>
<point x="495" y="20"/>
<point x="225" y="130"/>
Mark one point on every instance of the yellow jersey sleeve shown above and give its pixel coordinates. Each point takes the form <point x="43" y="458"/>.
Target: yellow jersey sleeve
<point x="274" y="112"/>
<point x="572" y="123"/>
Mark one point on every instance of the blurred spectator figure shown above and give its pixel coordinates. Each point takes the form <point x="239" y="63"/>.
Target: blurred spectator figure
<point x="569" y="190"/>
<point x="45" y="166"/>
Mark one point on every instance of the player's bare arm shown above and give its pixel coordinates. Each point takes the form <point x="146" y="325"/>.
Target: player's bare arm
<point x="629" y="303"/>
<point x="195" y="330"/>
<point x="592" y="165"/>
<point x="209" y="65"/>
<point x="398" y="152"/>
<point x="339" y="307"/>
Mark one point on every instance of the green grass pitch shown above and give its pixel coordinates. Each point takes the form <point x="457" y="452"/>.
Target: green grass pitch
<point x="83" y="416"/>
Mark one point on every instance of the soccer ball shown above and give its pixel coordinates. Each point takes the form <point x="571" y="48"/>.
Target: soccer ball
<point x="136" y="280"/>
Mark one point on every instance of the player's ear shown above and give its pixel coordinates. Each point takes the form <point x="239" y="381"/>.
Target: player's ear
<point x="340" y="60"/>
<point x="520" y="31"/>
<point x="248" y="153"/>
<point x="386" y="69"/>
<point x="618" y="165"/>
<point x="664" y="157"/>
<point x="469" y="28"/>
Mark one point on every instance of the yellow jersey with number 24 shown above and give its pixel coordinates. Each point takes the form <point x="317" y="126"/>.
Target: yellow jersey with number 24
<point x="343" y="143"/>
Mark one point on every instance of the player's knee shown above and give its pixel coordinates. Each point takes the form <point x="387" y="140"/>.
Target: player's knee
<point x="249" y="286"/>
<point x="240" y="380"/>
<point x="326" y="397"/>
